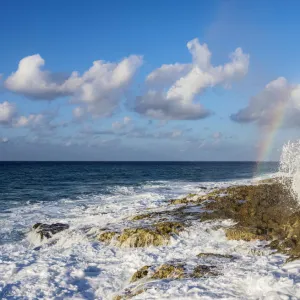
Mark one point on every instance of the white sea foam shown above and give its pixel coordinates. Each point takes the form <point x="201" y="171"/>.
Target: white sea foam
<point x="290" y="165"/>
<point x="79" y="267"/>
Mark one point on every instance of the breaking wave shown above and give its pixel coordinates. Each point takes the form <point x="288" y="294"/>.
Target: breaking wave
<point x="290" y="165"/>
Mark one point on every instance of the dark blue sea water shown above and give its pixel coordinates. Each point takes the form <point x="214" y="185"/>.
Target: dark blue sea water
<point x="30" y="182"/>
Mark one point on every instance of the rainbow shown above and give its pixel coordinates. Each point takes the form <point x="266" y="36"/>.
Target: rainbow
<point x="265" y="146"/>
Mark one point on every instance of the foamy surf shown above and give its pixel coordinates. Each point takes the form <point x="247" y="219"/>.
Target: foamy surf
<point x="74" y="265"/>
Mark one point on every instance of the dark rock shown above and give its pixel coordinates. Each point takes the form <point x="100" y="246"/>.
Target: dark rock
<point x="47" y="231"/>
<point x="215" y="255"/>
<point x="204" y="271"/>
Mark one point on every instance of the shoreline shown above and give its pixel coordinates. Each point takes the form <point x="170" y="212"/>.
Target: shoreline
<point x="242" y="204"/>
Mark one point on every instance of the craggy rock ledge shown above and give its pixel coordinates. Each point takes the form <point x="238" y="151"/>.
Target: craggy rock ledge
<point x="266" y="211"/>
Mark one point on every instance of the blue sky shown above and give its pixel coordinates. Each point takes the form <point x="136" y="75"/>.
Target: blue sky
<point x="175" y="80"/>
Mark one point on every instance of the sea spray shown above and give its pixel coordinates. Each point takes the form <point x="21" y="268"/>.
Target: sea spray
<point x="290" y="166"/>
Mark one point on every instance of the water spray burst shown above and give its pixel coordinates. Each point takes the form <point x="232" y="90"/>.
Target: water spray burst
<point x="290" y="165"/>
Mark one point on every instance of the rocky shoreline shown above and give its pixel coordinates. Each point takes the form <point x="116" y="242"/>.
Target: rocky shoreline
<point x="266" y="211"/>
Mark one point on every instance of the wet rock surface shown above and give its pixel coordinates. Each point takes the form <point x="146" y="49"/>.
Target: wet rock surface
<point x="266" y="211"/>
<point x="215" y="255"/>
<point x="48" y="230"/>
<point x="181" y="270"/>
<point x="168" y="271"/>
<point x="156" y="235"/>
<point x="263" y="211"/>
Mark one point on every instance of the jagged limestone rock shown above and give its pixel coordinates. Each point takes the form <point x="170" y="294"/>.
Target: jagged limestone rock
<point x="177" y="270"/>
<point x="107" y="236"/>
<point x="190" y="198"/>
<point x="169" y="271"/>
<point x="242" y="233"/>
<point x="156" y="235"/>
<point x="266" y="211"/>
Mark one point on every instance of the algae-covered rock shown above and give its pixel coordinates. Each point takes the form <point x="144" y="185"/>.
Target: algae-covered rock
<point x="107" y="236"/>
<point x="169" y="271"/>
<point x="178" y="270"/>
<point x="204" y="271"/>
<point x="243" y="233"/>
<point x="216" y="255"/>
<point x="142" y="217"/>
<point x="180" y="201"/>
<point x="169" y="227"/>
<point x="141" y="237"/>
<point x="264" y="211"/>
<point x="156" y="235"/>
<point x="139" y="274"/>
<point x="269" y="211"/>
<point x="190" y="198"/>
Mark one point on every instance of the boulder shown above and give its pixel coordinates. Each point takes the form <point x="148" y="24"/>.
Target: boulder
<point x="48" y="230"/>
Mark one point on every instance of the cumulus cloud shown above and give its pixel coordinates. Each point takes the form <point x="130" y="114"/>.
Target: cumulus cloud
<point x="104" y="84"/>
<point x="10" y="117"/>
<point x="31" y="81"/>
<point x="183" y="82"/>
<point x="279" y="100"/>
<point x="100" y="88"/>
<point x="7" y="112"/>
<point x="167" y="74"/>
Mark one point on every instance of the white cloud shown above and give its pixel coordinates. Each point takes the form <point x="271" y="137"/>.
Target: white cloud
<point x="7" y="112"/>
<point x="4" y="140"/>
<point x="104" y="84"/>
<point x="35" y="83"/>
<point x="100" y="88"/>
<point x="32" y="120"/>
<point x="279" y="102"/>
<point x="183" y="82"/>
<point x="167" y="74"/>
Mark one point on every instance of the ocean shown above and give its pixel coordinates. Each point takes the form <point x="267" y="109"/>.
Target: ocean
<point x="92" y="195"/>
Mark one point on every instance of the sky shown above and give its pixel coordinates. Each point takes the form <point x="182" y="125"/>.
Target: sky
<point x="148" y="80"/>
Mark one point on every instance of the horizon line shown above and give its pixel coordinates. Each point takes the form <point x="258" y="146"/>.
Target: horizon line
<point x="114" y="161"/>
